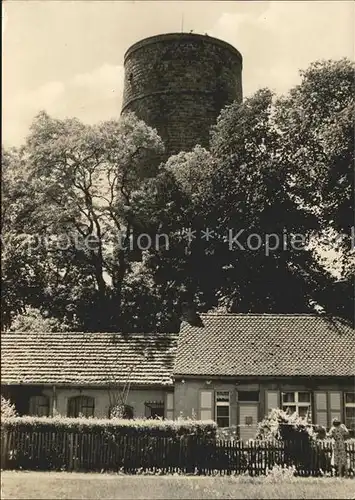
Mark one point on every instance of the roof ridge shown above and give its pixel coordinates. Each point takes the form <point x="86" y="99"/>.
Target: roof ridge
<point x="317" y="315"/>
<point x="71" y="332"/>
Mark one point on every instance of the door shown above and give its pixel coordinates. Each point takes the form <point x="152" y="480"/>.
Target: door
<point x="248" y="420"/>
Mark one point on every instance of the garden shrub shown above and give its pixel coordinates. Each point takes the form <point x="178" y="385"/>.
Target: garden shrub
<point x="142" y="427"/>
<point x="228" y="433"/>
<point x="130" y="444"/>
<point x="280" y="425"/>
<point x="7" y="408"/>
<point x="300" y="438"/>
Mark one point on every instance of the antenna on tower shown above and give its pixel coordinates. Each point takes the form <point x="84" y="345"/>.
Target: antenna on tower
<point x="182" y="22"/>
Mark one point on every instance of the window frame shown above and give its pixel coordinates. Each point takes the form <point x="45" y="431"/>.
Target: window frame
<point x="152" y="407"/>
<point x="80" y="406"/>
<point x="346" y="403"/>
<point x="223" y="404"/>
<point x="351" y="429"/>
<point x="297" y="404"/>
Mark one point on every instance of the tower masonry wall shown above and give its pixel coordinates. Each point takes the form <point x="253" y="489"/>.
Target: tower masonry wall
<point x="179" y="83"/>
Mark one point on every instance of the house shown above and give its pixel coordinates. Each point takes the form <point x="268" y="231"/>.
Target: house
<point x="239" y="366"/>
<point x="87" y="373"/>
<point x="232" y="368"/>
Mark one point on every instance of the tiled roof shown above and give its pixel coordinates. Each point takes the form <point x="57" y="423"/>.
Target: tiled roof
<point x="266" y="344"/>
<point x="86" y="358"/>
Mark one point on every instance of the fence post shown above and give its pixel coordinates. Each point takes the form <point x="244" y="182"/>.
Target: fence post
<point x="76" y="449"/>
<point x="4" y="450"/>
<point x="71" y="451"/>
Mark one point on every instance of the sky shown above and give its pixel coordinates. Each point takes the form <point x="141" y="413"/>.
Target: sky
<point x="66" y="57"/>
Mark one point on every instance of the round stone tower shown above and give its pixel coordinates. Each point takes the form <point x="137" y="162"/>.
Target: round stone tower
<point x="178" y="83"/>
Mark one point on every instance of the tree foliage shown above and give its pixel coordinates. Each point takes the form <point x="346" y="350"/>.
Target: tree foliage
<point x="76" y="211"/>
<point x="33" y="320"/>
<point x="8" y="409"/>
<point x="280" y="166"/>
<point x="277" y="167"/>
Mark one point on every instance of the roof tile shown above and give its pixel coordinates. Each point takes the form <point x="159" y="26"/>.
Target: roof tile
<point x="266" y="345"/>
<point x="86" y="358"/>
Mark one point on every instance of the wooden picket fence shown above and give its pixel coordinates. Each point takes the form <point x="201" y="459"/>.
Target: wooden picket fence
<point x="87" y="451"/>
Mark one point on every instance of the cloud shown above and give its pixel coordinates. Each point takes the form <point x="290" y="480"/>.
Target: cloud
<point x="97" y="94"/>
<point x="104" y="78"/>
<point x="63" y="70"/>
<point x="92" y="97"/>
<point x="19" y="111"/>
<point x="286" y="37"/>
<point x="45" y="96"/>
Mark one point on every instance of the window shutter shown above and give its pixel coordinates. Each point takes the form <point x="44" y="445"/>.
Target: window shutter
<point x="335" y="405"/>
<point x="39" y="406"/>
<point x="206" y="405"/>
<point x="170" y="406"/>
<point x="272" y="400"/>
<point x="321" y="408"/>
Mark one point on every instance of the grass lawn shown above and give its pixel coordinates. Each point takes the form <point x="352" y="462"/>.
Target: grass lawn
<point x="64" y="485"/>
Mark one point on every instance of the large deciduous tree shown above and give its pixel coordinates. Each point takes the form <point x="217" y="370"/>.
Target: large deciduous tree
<point x="275" y="166"/>
<point x="316" y="121"/>
<point x="22" y="276"/>
<point x="80" y="180"/>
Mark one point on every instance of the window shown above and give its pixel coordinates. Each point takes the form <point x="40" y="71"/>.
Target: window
<point x="248" y="396"/>
<point x="39" y="406"/>
<point x="154" y="409"/>
<point x="81" y="406"/>
<point x="299" y="402"/>
<point x="223" y="408"/>
<point x="350" y="411"/>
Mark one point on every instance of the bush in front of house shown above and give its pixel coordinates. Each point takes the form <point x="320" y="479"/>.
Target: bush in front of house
<point x="62" y="443"/>
<point x="300" y="439"/>
<point x="7" y="408"/>
<point x="143" y="427"/>
<point x="228" y="433"/>
<point x="284" y="426"/>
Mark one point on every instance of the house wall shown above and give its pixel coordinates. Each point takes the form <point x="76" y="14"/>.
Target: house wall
<point x="58" y="399"/>
<point x="187" y="397"/>
<point x="191" y="397"/>
<point x="327" y="399"/>
<point x="136" y="398"/>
